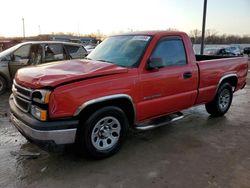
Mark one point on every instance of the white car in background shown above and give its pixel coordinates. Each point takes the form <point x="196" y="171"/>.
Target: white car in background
<point x="236" y="50"/>
<point x="90" y="47"/>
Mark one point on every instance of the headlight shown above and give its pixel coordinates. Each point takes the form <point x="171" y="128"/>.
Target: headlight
<point x="38" y="113"/>
<point x="41" y="96"/>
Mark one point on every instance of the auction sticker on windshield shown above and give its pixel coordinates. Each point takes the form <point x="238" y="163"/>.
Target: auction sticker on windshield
<point x="144" y="38"/>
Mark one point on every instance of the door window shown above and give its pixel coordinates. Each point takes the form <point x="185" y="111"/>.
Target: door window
<point x="171" y="51"/>
<point x="36" y="54"/>
<point x="22" y="53"/>
<point x="54" y="52"/>
<point x="76" y="52"/>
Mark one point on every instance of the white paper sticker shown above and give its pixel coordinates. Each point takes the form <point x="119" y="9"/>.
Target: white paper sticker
<point x="144" y="38"/>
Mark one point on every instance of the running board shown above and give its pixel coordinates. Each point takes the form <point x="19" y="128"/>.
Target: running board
<point x="160" y="121"/>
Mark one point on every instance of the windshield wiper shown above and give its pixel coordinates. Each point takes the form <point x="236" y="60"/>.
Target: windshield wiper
<point x="102" y="60"/>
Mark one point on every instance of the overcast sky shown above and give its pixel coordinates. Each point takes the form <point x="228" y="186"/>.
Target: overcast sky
<point x="112" y="16"/>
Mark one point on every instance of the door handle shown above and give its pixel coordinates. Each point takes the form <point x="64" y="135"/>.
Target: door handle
<point x="187" y="75"/>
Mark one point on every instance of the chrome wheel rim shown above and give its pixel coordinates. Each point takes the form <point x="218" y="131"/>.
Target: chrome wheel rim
<point x="224" y="99"/>
<point x="106" y="133"/>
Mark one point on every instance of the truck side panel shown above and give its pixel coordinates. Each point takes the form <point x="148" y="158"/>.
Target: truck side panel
<point x="66" y="99"/>
<point x="165" y="90"/>
<point x="212" y="71"/>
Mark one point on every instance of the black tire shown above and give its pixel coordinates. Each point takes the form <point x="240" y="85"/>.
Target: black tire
<point x="222" y="101"/>
<point x="92" y="132"/>
<point x="3" y="85"/>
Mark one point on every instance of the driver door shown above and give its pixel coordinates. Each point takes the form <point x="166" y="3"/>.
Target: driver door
<point x="172" y="86"/>
<point x="19" y="59"/>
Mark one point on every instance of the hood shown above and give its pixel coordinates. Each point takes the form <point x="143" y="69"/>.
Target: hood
<point x="53" y="74"/>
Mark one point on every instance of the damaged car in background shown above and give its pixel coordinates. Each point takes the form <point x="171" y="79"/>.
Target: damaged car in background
<point x="35" y="53"/>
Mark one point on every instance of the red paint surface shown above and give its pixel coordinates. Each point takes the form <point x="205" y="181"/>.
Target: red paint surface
<point x="168" y="90"/>
<point x="55" y="73"/>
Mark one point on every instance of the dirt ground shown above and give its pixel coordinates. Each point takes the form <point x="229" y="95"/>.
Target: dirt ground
<point x="197" y="151"/>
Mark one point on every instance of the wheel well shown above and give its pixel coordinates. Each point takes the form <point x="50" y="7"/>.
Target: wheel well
<point x="6" y="80"/>
<point x="232" y="80"/>
<point x="122" y="103"/>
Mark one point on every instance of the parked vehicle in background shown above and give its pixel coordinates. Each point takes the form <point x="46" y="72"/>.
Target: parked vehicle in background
<point x="5" y="44"/>
<point x="75" y="41"/>
<point x="90" y="47"/>
<point x="236" y="50"/>
<point x="88" y="41"/>
<point x="247" y="51"/>
<point x="225" y="51"/>
<point x="140" y="80"/>
<point x="81" y="40"/>
<point x="211" y="51"/>
<point x="34" y="53"/>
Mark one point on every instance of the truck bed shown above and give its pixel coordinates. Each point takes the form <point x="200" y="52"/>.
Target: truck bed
<point x="213" y="68"/>
<point x="210" y="57"/>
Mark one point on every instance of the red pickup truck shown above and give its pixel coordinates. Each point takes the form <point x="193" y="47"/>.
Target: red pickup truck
<point x="140" y="80"/>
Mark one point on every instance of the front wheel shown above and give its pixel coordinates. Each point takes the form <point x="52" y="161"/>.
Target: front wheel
<point x="103" y="132"/>
<point x="222" y="101"/>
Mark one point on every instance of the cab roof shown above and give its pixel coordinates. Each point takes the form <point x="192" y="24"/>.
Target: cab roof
<point x="153" y="33"/>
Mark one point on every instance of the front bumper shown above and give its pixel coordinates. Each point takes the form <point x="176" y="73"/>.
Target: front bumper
<point x="58" y="132"/>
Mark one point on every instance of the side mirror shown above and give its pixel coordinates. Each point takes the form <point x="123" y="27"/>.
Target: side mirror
<point x="154" y="63"/>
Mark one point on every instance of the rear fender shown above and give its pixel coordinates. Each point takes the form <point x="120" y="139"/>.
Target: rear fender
<point x="232" y="79"/>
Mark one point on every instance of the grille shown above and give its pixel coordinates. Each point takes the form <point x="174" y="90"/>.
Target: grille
<point x="22" y="91"/>
<point x="22" y="97"/>
<point x="21" y="103"/>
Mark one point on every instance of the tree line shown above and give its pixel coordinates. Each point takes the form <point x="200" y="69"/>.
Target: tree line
<point x="213" y="37"/>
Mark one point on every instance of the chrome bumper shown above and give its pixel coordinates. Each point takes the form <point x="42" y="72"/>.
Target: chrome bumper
<point x="63" y="136"/>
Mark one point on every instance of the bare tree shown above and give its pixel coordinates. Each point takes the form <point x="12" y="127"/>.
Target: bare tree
<point x="213" y="37"/>
<point x="172" y="29"/>
<point x="195" y="35"/>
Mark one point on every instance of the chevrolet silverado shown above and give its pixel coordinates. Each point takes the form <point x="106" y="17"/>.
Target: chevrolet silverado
<point x="138" y="80"/>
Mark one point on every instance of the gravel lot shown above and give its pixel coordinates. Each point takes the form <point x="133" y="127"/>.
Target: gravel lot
<point x="197" y="151"/>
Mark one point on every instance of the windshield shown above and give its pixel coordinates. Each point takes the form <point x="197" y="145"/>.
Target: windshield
<point x="9" y="50"/>
<point x="123" y="51"/>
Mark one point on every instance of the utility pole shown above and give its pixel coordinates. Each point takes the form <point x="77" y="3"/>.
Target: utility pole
<point x="78" y="29"/>
<point x="203" y="26"/>
<point x="23" y="28"/>
<point x="39" y="30"/>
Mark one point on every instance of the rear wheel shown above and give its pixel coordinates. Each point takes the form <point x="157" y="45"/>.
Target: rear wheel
<point x="3" y="85"/>
<point x="103" y="132"/>
<point x="222" y="101"/>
